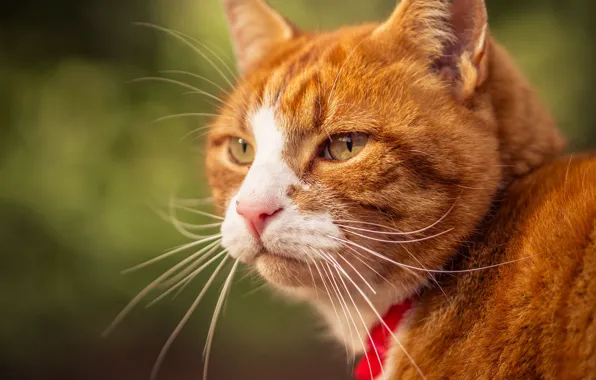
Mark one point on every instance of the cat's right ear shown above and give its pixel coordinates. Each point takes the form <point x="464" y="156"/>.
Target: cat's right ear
<point x="450" y="35"/>
<point x="255" y="29"/>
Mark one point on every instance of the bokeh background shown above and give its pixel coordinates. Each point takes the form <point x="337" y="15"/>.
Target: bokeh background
<point x="81" y="161"/>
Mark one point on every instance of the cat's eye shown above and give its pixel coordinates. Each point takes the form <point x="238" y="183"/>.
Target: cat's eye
<point x="241" y="151"/>
<point x="344" y="146"/>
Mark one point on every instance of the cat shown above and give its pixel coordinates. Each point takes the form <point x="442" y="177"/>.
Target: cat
<point x="405" y="180"/>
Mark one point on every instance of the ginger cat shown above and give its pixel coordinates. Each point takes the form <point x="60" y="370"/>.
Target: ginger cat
<point x="402" y="178"/>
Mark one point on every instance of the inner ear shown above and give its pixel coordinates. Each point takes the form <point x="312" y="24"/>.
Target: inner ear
<point x="463" y="59"/>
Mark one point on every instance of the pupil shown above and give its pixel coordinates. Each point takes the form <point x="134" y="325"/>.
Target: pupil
<point x="349" y="142"/>
<point x="244" y="146"/>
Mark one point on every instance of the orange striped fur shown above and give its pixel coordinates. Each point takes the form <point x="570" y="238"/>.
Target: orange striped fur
<point x="460" y="148"/>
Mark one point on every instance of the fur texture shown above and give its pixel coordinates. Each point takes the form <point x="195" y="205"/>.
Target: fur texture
<point x="458" y="160"/>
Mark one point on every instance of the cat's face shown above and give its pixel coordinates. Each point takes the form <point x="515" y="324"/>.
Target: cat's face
<point x="345" y="152"/>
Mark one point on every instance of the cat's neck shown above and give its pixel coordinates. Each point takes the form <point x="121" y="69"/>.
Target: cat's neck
<point x="527" y="130"/>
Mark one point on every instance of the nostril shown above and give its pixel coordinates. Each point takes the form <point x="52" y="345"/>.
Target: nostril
<point x="256" y="214"/>
<point x="266" y="215"/>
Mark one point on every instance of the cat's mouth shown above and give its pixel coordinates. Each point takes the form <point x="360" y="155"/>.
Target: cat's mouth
<point x="281" y="256"/>
<point x="281" y="269"/>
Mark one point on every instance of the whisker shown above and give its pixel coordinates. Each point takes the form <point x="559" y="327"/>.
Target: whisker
<point x="314" y="284"/>
<point x="400" y="241"/>
<point x="371" y="305"/>
<point x="188" y="114"/>
<point x="341" y="69"/>
<point x="217" y="56"/>
<point x="341" y="324"/>
<point x="170" y="253"/>
<point x="186" y="282"/>
<point x="184" y="39"/>
<point x="347" y="314"/>
<point x="224" y="292"/>
<point x="184" y="320"/>
<point x="223" y="102"/>
<point x="256" y="290"/>
<point x="205" y="253"/>
<point x="432" y="277"/>
<point x="194" y="202"/>
<point x="335" y="264"/>
<point x="181" y="72"/>
<point x="358" y="273"/>
<point x="188" y="226"/>
<point x="194" y="90"/>
<point x="393" y="229"/>
<point x="177" y="225"/>
<point x="198" y="212"/>
<point x="331" y="301"/>
<point x="188" y="278"/>
<point x="405" y="266"/>
<point x="359" y="256"/>
<point x="197" y="130"/>
<point x="145" y="291"/>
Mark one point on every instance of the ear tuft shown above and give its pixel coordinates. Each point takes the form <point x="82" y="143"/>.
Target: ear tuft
<point x="255" y="28"/>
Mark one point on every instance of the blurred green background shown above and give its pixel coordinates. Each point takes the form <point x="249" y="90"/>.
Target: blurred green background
<point x="80" y="160"/>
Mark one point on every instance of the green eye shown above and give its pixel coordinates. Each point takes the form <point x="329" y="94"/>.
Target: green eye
<point x="342" y="147"/>
<point x="241" y="151"/>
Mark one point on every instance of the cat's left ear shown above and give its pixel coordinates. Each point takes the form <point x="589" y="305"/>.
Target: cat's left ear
<point x="450" y="34"/>
<point x="255" y="29"/>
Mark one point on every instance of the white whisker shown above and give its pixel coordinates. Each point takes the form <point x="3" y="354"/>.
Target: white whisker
<point x="341" y="69"/>
<point x="380" y="318"/>
<point x="217" y="56"/>
<point x="336" y="264"/>
<point x="186" y="280"/>
<point x="358" y="273"/>
<point x="197" y="130"/>
<point x="196" y="76"/>
<point x="184" y="39"/>
<point x="347" y="313"/>
<point x="391" y="228"/>
<point x="205" y="253"/>
<point x="202" y="213"/>
<point x="400" y="241"/>
<point x="188" y="226"/>
<point x="405" y="266"/>
<point x="339" y="320"/>
<point x="170" y="253"/>
<point x="194" y="90"/>
<point x="256" y="290"/>
<point x="331" y="300"/>
<point x="194" y="202"/>
<point x="146" y="291"/>
<point x="314" y="283"/>
<point x="359" y="256"/>
<point x="188" y="114"/>
<point x="177" y="225"/>
<point x="432" y="277"/>
<point x="191" y="309"/>
<point x="224" y="292"/>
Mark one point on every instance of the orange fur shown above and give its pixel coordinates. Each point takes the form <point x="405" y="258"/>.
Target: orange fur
<point x="531" y="319"/>
<point x="457" y="133"/>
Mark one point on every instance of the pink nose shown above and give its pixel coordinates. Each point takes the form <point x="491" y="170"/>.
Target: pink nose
<point x="256" y="214"/>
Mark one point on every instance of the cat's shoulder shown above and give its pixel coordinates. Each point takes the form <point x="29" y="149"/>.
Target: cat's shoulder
<point x="560" y="195"/>
<point x="551" y="213"/>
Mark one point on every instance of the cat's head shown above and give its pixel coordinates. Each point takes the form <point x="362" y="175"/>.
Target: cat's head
<point x="370" y="152"/>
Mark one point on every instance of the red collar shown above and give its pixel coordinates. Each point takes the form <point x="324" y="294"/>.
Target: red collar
<point x="380" y="339"/>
